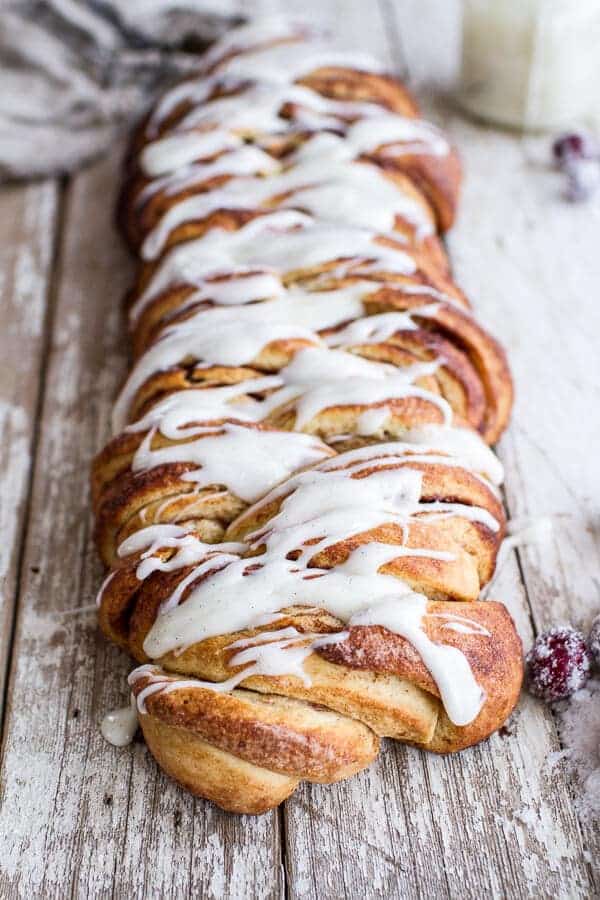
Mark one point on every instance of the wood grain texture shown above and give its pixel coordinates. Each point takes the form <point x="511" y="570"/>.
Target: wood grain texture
<point x="80" y="818"/>
<point x="78" y="815"/>
<point x="28" y="219"/>
<point x="542" y="302"/>
<point x="528" y="261"/>
<point x="494" y="818"/>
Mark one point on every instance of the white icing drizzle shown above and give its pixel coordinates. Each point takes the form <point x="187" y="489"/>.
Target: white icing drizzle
<point x="263" y="72"/>
<point x="326" y="505"/>
<point x="256" y="33"/>
<point x="284" y="241"/>
<point x="168" y="154"/>
<point x="322" y="177"/>
<point x="321" y="174"/>
<point x="372" y="420"/>
<point x="380" y="327"/>
<point x="313" y="508"/>
<point x="461" y="624"/>
<point x="315" y="380"/>
<point x="254" y="109"/>
<point x="372" y="384"/>
<point x="386" y="134"/>
<point x="268" y="457"/>
<point x="357" y="195"/>
<point x="202" y="334"/>
<point x="527" y="531"/>
<point x="266" y="87"/>
<point x="119" y="726"/>
<point x="278" y="657"/>
<point x="243" y="287"/>
<point x="396" y="135"/>
<point x="237" y="288"/>
<point x="465" y="629"/>
<point x="461" y="694"/>
<point x="247" y="160"/>
<point x="173" y="415"/>
<point x="284" y="63"/>
<point x="465" y="446"/>
<point x="189" y="549"/>
<point x="283" y="652"/>
<point x="103" y="587"/>
<point x="521" y="532"/>
<point x="159" y="681"/>
<point x="362" y="459"/>
<point x="235" y="335"/>
<point x="327" y="184"/>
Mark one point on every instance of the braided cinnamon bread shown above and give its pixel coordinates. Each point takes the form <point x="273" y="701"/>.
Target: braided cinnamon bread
<point x="299" y="506"/>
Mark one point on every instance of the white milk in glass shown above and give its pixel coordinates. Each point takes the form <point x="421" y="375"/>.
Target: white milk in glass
<point x="532" y="63"/>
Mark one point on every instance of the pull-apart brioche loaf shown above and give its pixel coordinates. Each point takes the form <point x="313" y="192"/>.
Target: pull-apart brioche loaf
<point x="299" y="506"/>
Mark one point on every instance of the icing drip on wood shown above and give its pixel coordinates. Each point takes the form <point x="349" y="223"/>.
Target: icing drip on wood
<point x="521" y="532"/>
<point x="119" y="726"/>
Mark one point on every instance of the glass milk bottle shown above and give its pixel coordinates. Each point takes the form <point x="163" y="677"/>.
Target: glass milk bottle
<point x="532" y="64"/>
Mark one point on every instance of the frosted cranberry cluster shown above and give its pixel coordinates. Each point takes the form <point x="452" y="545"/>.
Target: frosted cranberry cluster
<point x="578" y="156"/>
<point x="560" y="661"/>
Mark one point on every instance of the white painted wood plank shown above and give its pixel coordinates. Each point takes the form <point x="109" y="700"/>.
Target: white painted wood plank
<point x="492" y="819"/>
<point x="513" y="266"/>
<point x="78" y="816"/>
<point x="535" y="271"/>
<point x="28" y="218"/>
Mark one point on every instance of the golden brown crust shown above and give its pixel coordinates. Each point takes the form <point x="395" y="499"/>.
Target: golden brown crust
<point x="202" y="769"/>
<point x="483" y="351"/>
<point x="136" y="500"/>
<point x="356" y="84"/>
<point x="278" y="733"/>
<point x="375" y="676"/>
<point x="497" y="665"/>
<point x="378" y="677"/>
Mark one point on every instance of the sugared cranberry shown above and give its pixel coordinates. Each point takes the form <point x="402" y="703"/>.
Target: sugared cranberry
<point x="594" y="641"/>
<point x="558" y="664"/>
<point x="573" y="146"/>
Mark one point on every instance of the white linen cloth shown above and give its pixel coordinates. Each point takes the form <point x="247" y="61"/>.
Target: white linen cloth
<point x="73" y="72"/>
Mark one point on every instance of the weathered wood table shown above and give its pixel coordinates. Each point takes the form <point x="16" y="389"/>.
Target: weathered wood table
<point x="81" y="818"/>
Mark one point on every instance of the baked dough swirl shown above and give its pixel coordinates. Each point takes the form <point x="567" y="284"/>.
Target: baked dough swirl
<point x="298" y="506"/>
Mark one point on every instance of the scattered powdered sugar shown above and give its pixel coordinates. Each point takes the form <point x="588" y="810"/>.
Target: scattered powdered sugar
<point x="594" y="641"/>
<point x="579" y="729"/>
<point x="526" y="816"/>
<point x="555" y="757"/>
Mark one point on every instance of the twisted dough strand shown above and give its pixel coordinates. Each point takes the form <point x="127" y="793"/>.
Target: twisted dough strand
<point x="298" y="505"/>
